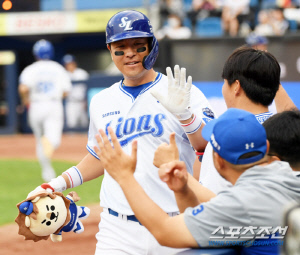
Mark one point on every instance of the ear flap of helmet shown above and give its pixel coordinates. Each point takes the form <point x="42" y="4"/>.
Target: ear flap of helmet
<point x="149" y="60"/>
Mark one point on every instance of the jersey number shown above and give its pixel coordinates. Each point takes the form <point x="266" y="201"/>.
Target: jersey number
<point x="45" y="87"/>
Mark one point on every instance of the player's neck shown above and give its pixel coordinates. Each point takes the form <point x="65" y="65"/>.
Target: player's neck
<point x="249" y="106"/>
<point x="145" y="77"/>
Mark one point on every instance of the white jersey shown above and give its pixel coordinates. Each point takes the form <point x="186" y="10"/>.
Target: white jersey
<point x="47" y="81"/>
<point x="79" y="75"/>
<point x="78" y="91"/>
<point x="146" y="120"/>
<point x="209" y="176"/>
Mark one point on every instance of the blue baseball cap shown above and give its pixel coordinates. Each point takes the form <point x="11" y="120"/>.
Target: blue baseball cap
<point x="68" y="59"/>
<point x="234" y="134"/>
<point x="26" y="207"/>
<point x="254" y="39"/>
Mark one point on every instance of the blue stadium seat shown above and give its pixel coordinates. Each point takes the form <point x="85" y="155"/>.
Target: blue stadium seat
<point x="293" y="25"/>
<point x="187" y="23"/>
<point x="209" y="27"/>
<point x="187" y="5"/>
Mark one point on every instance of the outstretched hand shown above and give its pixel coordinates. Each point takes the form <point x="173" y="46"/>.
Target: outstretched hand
<point x="166" y="153"/>
<point x="175" y="175"/>
<point x="178" y="99"/>
<point x="117" y="163"/>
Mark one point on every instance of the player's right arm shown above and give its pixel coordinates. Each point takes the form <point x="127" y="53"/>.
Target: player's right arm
<point x="24" y="94"/>
<point x="90" y="167"/>
<point x="87" y="169"/>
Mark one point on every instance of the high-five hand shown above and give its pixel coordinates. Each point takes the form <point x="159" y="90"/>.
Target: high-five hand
<point x="178" y="99"/>
<point x="117" y="163"/>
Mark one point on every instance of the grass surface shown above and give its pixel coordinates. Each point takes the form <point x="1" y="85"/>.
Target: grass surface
<point x="19" y="177"/>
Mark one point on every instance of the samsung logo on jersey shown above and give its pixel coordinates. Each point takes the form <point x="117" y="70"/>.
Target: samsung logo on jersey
<point x="110" y="113"/>
<point x="133" y="128"/>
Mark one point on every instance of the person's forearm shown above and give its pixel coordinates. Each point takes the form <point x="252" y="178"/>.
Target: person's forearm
<point x="186" y="198"/>
<point x="282" y="100"/>
<point x="193" y="195"/>
<point x="168" y="231"/>
<point x="89" y="167"/>
<point x="196" y="139"/>
<point x="202" y="193"/>
<point x="148" y="213"/>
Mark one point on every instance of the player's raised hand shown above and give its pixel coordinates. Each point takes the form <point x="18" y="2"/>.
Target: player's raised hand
<point x="178" y="99"/>
<point x="166" y="153"/>
<point x="175" y="175"/>
<point x="117" y="163"/>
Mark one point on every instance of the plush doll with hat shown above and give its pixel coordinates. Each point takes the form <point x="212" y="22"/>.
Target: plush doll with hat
<point x="49" y="214"/>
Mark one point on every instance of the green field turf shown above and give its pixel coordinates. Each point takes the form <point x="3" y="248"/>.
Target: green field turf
<point x="19" y="177"/>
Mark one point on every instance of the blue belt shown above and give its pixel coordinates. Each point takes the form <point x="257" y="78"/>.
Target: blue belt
<point x="129" y="217"/>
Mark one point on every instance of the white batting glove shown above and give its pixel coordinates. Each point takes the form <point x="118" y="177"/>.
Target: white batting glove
<point x="178" y="100"/>
<point x="55" y="185"/>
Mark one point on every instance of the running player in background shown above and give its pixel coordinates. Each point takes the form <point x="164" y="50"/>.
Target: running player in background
<point x="76" y="104"/>
<point x="42" y="86"/>
<point x="148" y="106"/>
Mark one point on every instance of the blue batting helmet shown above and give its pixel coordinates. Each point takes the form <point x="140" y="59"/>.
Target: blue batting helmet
<point x="132" y="24"/>
<point x="43" y="49"/>
<point x="68" y="59"/>
<point x="254" y="39"/>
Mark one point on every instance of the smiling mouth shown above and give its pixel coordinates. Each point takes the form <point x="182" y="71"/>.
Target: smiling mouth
<point x="132" y="63"/>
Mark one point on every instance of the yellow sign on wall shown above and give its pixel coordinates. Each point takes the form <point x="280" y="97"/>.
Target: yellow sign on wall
<point x="3" y="24"/>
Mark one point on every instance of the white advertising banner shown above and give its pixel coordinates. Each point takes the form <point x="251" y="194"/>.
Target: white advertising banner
<point x="40" y="23"/>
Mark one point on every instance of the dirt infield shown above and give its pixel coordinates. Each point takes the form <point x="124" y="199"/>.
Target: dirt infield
<point x="71" y="149"/>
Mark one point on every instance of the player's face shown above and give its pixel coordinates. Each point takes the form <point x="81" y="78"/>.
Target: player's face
<point x="228" y="94"/>
<point x="128" y="56"/>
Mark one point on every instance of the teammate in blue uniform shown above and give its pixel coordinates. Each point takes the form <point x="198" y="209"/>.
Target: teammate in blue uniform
<point x="148" y="106"/>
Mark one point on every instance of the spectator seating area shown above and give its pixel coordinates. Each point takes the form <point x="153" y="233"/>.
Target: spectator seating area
<point x="206" y="18"/>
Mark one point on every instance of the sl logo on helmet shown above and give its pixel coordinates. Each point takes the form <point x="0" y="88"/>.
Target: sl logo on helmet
<point x="126" y="24"/>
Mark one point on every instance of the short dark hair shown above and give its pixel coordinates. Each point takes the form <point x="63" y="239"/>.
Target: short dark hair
<point x="283" y="133"/>
<point x="258" y="72"/>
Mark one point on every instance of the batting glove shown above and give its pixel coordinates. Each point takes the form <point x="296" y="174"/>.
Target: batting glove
<point x="55" y="185"/>
<point x="178" y="100"/>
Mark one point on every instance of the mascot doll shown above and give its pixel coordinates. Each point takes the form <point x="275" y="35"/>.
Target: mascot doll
<point x="49" y="214"/>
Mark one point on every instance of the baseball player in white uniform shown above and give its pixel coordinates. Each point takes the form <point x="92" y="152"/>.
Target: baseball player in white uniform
<point x="147" y="106"/>
<point x="42" y="87"/>
<point x="76" y="108"/>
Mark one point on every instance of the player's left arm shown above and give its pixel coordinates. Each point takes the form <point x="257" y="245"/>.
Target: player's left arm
<point x="168" y="231"/>
<point x="178" y="102"/>
<point x="66" y="83"/>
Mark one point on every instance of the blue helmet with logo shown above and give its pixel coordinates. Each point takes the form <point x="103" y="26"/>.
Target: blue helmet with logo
<point x="68" y="59"/>
<point x="132" y="24"/>
<point x="254" y="39"/>
<point x="43" y="49"/>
